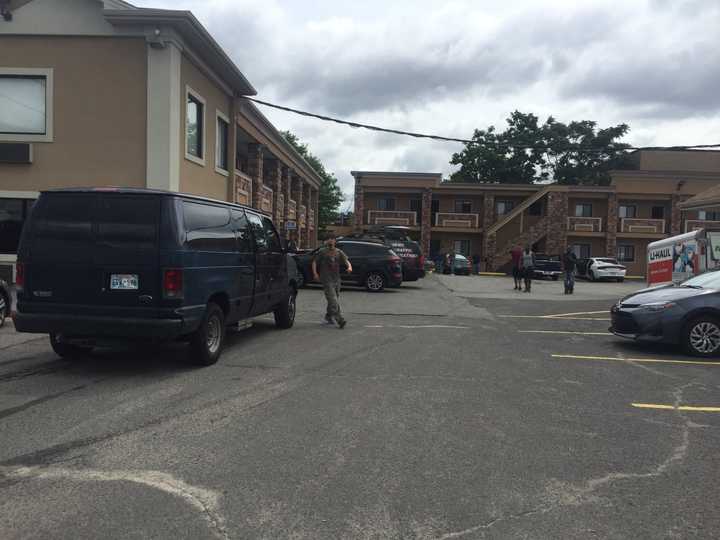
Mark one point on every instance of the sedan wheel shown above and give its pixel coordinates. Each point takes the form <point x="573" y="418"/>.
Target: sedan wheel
<point x="702" y="337"/>
<point x="375" y="282"/>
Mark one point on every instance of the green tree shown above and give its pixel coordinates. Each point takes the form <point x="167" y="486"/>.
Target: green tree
<point x="330" y="196"/>
<point x="527" y="152"/>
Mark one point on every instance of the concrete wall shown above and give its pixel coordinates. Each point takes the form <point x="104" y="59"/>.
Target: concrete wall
<point x="195" y="178"/>
<point x="628" y="184"/>
<point x="99" y="116"/>
<point x="639" y="266"/>
<point x="680" y="161"/>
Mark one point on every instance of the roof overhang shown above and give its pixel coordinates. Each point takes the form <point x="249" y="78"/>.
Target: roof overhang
<point x="194" y="33"/>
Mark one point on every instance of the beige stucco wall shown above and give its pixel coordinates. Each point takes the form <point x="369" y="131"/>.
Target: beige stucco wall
<point x="99" y="112"/>
<point x="680" y="161"/>
<point x="194" y="178"/>
<point x="627" y="183"/>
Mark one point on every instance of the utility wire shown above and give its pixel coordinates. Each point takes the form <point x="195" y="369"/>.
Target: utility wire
<point x="507" y="144"/>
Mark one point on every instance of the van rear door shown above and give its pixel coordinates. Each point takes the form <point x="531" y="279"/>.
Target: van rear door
<point x="95" y="249"/>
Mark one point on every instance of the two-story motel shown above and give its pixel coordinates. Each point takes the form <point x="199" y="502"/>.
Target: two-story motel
<point x="640" y="205"/>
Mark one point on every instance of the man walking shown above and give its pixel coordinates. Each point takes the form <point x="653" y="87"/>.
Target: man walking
<point x="476" y="263"/>
<point x="326" y="270"/>
<point x="528" y="267"/>
<point x="516" y="254"/>
<point x="569" y="265"/>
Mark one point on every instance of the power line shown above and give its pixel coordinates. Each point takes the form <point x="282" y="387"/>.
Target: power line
<point x="508" y="144"/>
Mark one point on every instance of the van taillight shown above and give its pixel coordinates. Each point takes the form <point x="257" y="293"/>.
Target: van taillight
<point x="20" y="276"/>
<point x="173" y="283"/>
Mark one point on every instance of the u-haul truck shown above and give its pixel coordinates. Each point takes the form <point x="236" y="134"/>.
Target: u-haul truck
<point x="680" y="257"/>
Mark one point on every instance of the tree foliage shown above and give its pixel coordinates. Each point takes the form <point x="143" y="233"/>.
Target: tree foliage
<point x="330" y="196"/>
<point x="557" y="151"/>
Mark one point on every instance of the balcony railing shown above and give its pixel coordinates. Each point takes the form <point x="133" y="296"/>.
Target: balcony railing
<point x="456" y="219"/>
<point x="695" y="224"/>
<point x="584" y="224"/>
<point x="302" y="216"/>
<point x="392" y="217"/>
<point x="292" y="210"/>
<point x="244" y="188"/>
<point x="311" y="219"/>
<point x="637" y="225"/>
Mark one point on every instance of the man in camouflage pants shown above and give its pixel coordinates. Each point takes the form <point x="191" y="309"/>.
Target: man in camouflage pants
<point x="326" y="269"/>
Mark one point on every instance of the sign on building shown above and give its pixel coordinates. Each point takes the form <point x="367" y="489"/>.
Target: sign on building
<point x="291" y="225"/>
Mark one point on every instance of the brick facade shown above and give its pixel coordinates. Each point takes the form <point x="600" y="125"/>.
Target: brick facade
<point x="675" y="215"/>
<point x="426" y="220"/>
<point x="359" y="206"/>
<point x="557" y="214"/>
<point x="612" y="226"/>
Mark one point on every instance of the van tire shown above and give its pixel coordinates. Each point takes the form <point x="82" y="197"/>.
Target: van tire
<point x="285" y="312"/>
<point x="4" y="308"/>
<point x="207" y="342"/>
<point x="68" y="351"/>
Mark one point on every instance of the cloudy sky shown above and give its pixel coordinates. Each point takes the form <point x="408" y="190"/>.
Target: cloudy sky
<point x="451" y="66"/>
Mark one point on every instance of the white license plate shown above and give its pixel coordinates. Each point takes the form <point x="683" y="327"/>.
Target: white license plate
<point x="124" y="282"/>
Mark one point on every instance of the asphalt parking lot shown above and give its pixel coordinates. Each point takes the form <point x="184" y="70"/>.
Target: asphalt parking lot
<point x="453" y="407"/>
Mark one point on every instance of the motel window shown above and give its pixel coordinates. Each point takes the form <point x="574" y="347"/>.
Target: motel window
<point x="221" y="143"/>
<point x="583" y="210"/>
<point x="658" y="212"/>
<point x="386" y="204"/>
<point x="581" y="251"/>
<point x="26" y="104"/>
<point x="710" y="216"/>
<point x="195" y="128"/>
<point x="416" y="206"/>
<point x="504" y="207"/>
<point x="463" y="207"/>
<point x="13" y="213"/>
<point x="462" y="247"/>
<point x="627" y="211"/>
<point x="625" y="253"/>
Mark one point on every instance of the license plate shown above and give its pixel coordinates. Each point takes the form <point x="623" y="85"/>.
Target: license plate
<point x="124" y="282"/>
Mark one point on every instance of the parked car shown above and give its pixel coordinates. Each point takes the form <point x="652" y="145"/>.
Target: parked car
<point x="375" y="266"/>
<point x="397" y="238"/>
<point x="5" y="302"/>
<point x="461" y="266"/>
<point x="547" y="266"/>
<point x="98" y="265"/>
<point x="687" y="314"/>
<point x="429" y="265"/>
<point x="598" y="268"/>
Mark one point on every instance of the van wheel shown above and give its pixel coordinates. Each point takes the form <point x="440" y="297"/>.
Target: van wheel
<point x="207" y="342"/>
<point x="68" y="351"/>
<point x="701" y="336"/>
<point x="285" y="312"/>
<point x="375" y="282"/>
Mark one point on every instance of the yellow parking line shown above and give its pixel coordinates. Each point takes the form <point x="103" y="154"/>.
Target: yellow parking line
<point x="674" y="408"/>
<point x="640" y="360"/>
<point x="564" y="332"/>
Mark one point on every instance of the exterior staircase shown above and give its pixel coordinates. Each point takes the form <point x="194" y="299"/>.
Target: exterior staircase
<point x="511" y="231"/>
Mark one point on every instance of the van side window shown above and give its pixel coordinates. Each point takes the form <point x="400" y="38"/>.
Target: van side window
<point x="271" y="234"/>
<point x="261" y="242"/>
<point x="208" y="227"/>
<point x="242" y="232"/>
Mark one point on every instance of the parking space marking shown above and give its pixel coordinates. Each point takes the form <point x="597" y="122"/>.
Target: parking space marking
<point x="675" y="408"/>
<point x="554" y="318"/>
<point x="639" y="360"/>
<point x="578" y="313"/>
<point x="564" y="332"/>
<point x="416" y="326"/>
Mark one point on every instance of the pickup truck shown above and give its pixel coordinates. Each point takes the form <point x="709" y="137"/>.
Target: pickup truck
<point x="547" y="266"/>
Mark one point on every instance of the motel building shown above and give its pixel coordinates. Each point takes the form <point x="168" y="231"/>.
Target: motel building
<point x="101" y="93"/>
<point x="642" y="204"/>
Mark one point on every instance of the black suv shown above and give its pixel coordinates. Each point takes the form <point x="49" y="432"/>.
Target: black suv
<point x="95" y="265"/>
<point x="397" y="238"/>
<point x="375" y="266"/>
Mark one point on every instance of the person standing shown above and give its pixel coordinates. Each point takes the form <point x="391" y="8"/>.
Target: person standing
<point x="569" y="266"/>
<point x="528" y="267"/>
<point x="326" y="269"/>
<point x="476" y="263"/>
<point x="292" y="243"/>
<point x="516" y="255"/>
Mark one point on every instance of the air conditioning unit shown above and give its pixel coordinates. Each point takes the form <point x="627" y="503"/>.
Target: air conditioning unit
<point x="16" y="153"/>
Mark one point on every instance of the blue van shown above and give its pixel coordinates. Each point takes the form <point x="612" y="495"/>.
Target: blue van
<point x="103" y="264"/>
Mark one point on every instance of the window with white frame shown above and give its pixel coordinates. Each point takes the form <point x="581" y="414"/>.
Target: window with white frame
<point x="221" y="143"/>
<point x="709" y="215"/>
<point x="583" y="210"/>
<point x="386" y="204"/>
<point x="26" y="112"/>
<point x="627" y="211"/>
<point x="504" y="207"/>
<point x="581" y="251"/>
<point x="195" y="127"/>
<point x="625" y="253"/>
<point x="463" y="206"/>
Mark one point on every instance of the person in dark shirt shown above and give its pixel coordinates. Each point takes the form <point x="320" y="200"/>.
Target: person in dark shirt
<point x="516" y="255"/>
<point x="569" y="266"/>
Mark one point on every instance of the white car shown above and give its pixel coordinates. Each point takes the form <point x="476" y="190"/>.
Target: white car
<point x="597" y="268"/>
